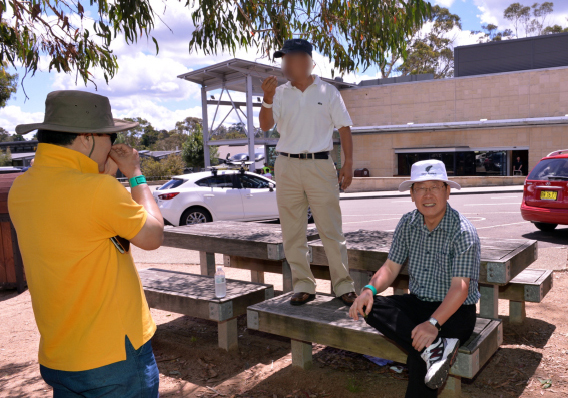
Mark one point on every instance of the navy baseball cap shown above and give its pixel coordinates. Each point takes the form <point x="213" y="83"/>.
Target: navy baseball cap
<point x="293" y="46"/>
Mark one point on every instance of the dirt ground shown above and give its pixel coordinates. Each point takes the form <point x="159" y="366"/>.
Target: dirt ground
<point x="532" y="362"/>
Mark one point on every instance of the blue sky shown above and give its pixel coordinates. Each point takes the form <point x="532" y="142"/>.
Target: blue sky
<point x="146" y="84"/>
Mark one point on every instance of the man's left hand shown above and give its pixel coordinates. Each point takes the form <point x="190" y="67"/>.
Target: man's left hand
<point x="345" y="176"/>
<point x="423" y="335"/>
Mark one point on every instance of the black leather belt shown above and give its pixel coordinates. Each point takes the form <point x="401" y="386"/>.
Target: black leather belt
<point x="314" y="155"/>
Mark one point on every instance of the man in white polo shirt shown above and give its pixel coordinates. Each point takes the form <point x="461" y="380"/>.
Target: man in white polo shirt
<point x="306" y="111"/>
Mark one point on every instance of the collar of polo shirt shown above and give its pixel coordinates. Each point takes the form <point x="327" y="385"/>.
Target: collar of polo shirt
<point x="317" y="81"/>
<point x="446" y="223"/>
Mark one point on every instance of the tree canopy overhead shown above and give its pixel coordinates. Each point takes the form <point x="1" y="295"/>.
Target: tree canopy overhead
<point x="353" y="34"/>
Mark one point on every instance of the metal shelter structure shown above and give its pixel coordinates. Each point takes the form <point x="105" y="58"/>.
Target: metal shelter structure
<point x="240" y="76"/>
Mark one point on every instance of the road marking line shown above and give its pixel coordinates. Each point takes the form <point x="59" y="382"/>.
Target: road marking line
<point x="504" y="197"/>
<point x="359" y="222"/>
<point x="503" y="225"/>
<point x="490" y="204"/>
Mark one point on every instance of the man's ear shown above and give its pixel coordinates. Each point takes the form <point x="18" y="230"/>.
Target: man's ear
<point x="411" y="194"/>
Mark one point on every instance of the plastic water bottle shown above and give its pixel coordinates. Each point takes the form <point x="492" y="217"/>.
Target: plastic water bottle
<point x="220" y="283"/>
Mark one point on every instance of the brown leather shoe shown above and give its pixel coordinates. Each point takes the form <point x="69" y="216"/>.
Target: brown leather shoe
<point x="349" y="298"/>
<point x="301" y="298"/>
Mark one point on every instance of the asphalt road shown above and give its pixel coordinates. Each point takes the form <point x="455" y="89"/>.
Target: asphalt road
<point x="494" y="215"/>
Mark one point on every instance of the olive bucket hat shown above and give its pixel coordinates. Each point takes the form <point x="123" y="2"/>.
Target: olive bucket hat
<point x="74" y="111"/>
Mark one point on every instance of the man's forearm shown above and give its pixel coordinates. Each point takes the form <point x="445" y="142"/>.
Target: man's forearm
<point x="453" y="301"/>
<point x="385" y="276"/>
<point x="143" y="196"/>
<point x="265" y="118"/>
<point x="346" y="144"/>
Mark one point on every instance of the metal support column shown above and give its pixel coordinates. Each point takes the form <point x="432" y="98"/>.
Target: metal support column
<point x="205" y="127"/>
<point x="250" y="123"/>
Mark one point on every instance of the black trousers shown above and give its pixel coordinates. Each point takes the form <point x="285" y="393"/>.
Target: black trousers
<point x="396" y="316"/>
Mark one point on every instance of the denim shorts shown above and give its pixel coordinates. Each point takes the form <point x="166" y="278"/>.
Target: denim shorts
<point x="135" y="377"/>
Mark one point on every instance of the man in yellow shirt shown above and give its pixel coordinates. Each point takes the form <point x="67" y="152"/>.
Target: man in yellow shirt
<point x="75" y="222"/>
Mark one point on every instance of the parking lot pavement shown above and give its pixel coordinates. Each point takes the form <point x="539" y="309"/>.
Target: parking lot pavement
<point x="493" y="214"/>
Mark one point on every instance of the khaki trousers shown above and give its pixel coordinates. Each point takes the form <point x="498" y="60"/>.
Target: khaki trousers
<point x="311" y="182"/>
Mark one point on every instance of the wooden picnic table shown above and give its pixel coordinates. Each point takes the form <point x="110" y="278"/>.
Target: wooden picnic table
<point x="258" y="247"/>
<point x="255" y="241"/>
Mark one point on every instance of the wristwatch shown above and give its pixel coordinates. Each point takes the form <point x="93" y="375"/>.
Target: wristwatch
<point x="266" y="104"/>
<point x="434" y="322"/>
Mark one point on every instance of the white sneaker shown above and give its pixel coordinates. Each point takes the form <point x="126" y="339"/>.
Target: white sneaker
<point x="439" y="357"/>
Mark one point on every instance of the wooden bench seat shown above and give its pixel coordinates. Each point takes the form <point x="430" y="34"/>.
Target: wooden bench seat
<point x="325" y="321"/>
<point x="194" y="295"/>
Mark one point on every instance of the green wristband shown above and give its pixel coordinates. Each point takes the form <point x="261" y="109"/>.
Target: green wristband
<point x="371" y="288"/>
<point x="138" y="180"/>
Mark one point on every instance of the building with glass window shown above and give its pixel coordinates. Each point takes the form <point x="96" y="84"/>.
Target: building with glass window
<point x="506" y="108"/>
<point x="481" y="125"/>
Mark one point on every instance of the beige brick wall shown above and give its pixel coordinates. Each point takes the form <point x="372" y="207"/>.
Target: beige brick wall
<point x="512" y="95"/>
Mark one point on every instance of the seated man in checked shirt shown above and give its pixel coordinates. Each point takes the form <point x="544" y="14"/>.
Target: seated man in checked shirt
<point x="443" y="252"/>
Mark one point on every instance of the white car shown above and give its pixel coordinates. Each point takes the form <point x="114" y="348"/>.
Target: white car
<point x="224" y="195"/>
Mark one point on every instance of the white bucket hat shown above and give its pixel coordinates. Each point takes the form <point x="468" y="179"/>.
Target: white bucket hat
<point x="427" y="170"/>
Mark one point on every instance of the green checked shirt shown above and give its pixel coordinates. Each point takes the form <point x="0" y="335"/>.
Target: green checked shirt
<point x="452" y="249"/>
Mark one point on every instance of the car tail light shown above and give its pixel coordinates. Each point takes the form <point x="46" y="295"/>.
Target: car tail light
<point x="168" y="196"/>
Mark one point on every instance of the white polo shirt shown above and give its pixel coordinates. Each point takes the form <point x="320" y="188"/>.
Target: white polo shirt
<point x="306" y="120"/>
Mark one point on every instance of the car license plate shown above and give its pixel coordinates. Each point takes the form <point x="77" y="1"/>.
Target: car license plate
<point x="548" y="195"/>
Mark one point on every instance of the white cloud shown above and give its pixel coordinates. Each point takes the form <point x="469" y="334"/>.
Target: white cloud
<point x="444" y="3"/>
<point x="492" y="12"/>
<point x="12" y="115"/>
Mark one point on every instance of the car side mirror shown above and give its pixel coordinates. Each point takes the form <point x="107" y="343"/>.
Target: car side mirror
<point x="271" y="187"/>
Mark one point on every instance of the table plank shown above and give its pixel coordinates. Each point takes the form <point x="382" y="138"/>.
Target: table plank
<point x="246" y="239"/>
<point x="501" y="259"/>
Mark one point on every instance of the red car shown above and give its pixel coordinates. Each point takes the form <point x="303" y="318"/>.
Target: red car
<point x="545" y="197"/>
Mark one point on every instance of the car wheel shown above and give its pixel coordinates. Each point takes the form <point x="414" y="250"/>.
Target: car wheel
<point x="195" y="215"/>
<point x="544" y="226"/>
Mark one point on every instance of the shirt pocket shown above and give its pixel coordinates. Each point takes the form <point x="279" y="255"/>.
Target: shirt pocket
<point x="442" y="262"/>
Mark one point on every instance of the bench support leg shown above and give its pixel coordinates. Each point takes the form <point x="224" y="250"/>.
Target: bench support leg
<point x="301" y="354"/>
<point x="489" y="302"/>
<point x="286" y="277"/>
<point x="361" y="278"/>
<point x="207" y="263"/>
<point x="452" y="388"/>
<point x="517" y="312"/>
<point x="257" y="276"/>
<point x="228" y="334"/>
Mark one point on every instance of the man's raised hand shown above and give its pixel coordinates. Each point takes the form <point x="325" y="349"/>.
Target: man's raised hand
<point x="126" y="159"/>
<point x="269" y="88"/>
<point x="365" y="300"/>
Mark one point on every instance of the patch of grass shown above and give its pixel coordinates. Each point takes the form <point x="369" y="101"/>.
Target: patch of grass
<point x="354" y="385"/>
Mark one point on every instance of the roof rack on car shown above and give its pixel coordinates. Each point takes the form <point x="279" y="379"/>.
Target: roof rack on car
<point x="559" y="152"/>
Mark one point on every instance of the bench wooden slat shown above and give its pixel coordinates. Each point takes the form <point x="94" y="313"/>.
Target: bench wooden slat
<point x="531" y="285"/>
<point x="194" y="295"/>
<point x="325" y="321"/>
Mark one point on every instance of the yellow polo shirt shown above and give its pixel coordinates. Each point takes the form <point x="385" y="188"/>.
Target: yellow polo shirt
<point x="86" y="295"/>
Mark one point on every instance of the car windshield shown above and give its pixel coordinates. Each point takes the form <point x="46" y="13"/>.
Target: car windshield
<point x="171" y="184"/>
<point x="550" y="169"/>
